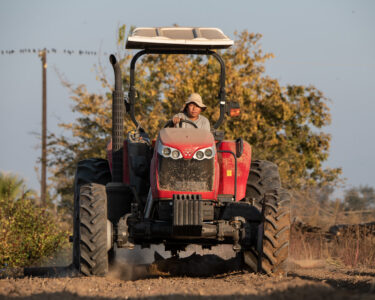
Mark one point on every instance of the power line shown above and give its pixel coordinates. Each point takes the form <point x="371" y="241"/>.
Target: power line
<point x="51" y="51"/>
<point x="42" y="53"/>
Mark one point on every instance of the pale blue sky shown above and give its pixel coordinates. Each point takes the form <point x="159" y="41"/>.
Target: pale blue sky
<point x="330" y="44"/>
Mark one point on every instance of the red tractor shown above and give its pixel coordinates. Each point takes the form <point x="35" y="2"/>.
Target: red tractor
<point x="188" y="187"/>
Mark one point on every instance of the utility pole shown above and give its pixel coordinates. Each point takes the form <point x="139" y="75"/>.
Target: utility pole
<point x="43" y="184"/>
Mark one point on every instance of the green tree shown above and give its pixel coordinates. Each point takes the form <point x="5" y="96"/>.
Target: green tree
<point x="28" y="232"/>
<point x="283" y="124"/>
<point x="13" y="188"/>
<point x="359" y="198"/>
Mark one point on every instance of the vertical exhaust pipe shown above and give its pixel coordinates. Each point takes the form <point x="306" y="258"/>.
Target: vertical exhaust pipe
<point x="117" y="204"/>
<point x="117" y="123"/>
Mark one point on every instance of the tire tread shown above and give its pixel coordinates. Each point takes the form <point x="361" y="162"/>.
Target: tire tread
<point x="264" y="180"/>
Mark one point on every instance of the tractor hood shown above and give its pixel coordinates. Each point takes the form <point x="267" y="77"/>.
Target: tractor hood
<point x="186" y="140"/>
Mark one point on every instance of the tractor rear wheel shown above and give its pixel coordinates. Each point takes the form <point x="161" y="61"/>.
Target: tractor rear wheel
<point x="90" y="210"/>
<point x="264" y="180"/>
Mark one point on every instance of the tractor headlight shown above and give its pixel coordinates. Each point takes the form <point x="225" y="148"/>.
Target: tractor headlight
<point x="199" y="154"/>
<point x="168" y="152"/>
<point x="175" y="154"/>
<point x="208" y="153"/>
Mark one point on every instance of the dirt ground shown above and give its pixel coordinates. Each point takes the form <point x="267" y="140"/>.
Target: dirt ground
<point x="192" y="277"/>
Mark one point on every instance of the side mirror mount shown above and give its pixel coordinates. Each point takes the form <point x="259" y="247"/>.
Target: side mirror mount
<point x="239" y="147"/>
<point x="218" y="135"/>
<point x="127" y="104"/>
<point x="233" y="109"/>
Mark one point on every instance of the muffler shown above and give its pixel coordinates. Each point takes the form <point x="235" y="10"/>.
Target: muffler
<point x="118" y="193"/>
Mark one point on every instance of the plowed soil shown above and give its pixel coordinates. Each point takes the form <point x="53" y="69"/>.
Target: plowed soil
<point x="192" y="277"/>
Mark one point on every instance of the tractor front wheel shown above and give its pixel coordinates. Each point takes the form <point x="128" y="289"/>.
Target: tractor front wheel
<point x="92" y="174"/>
<point x="95" y="232"/>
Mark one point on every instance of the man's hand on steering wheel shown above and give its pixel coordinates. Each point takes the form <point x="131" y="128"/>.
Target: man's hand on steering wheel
<point x="176" y="120"/>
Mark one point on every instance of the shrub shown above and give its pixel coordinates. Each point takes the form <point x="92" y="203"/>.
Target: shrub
<point x="28" y="232"/>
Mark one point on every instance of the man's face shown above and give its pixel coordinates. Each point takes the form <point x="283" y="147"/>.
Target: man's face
<point x="193" y="110"/>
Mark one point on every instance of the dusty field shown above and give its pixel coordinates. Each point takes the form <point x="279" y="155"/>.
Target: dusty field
<point x="195" y="277"/>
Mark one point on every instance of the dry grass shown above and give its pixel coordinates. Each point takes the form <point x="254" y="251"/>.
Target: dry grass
<point x="353" y="247"/>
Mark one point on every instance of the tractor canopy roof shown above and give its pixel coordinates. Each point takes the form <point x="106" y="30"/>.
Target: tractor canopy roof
<point x="191" y="38"/>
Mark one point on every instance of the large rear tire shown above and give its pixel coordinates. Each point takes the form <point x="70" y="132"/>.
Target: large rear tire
<point x="264" y="179"/>
<point x="93" y="175"/>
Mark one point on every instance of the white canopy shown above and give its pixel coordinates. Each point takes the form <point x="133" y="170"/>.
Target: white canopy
<point x="178" y="38"/>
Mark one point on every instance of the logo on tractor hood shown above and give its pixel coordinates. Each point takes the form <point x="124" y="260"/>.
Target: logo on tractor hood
<point x="188" y="152"/>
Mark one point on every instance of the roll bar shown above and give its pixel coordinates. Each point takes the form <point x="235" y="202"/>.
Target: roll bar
<point x="132" y="90"/>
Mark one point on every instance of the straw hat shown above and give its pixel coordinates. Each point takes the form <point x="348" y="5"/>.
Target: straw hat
<point x="194" y="98"/>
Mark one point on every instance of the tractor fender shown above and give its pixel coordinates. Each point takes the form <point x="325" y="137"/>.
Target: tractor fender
<point x="227" y="168"/>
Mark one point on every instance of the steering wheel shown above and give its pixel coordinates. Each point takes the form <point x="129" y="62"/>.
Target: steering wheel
<point x="170" y="123"/>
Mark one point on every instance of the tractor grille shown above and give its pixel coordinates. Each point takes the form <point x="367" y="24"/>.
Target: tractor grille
<point x="188" y="175"/>
<point x="187" y="210"/>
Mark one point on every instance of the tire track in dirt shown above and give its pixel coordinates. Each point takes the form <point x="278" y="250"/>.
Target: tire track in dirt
<point x="191" y="278"/>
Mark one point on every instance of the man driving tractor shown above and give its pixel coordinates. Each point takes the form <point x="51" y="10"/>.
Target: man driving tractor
<point x="191" y="111"/>
<point x="192" y="187"/>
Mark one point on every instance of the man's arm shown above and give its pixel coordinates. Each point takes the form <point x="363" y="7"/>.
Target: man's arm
<point x="177" y="118"/>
